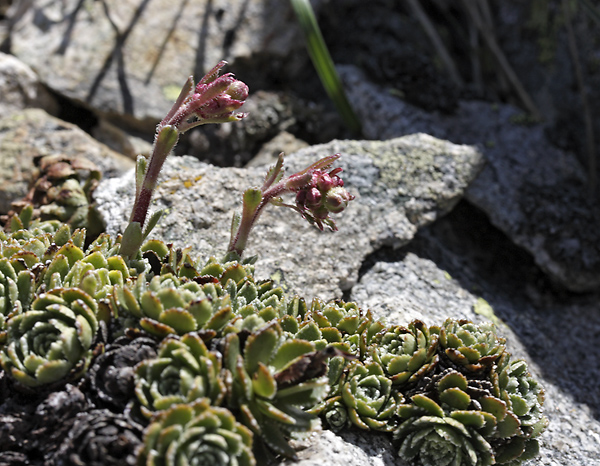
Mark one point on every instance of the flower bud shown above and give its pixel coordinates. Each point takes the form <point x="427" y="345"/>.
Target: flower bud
<point x="325" y="182"/>
<point x="337" y="199"/>
<point x="313" y="197"/>
<point x="238" y="91"/>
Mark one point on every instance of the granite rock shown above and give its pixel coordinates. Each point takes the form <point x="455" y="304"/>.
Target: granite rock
<point x="21" y="88"/>
<point x="32" y="133"/>
<point x="531" y="190"/>
<point x="103" y="55"/>
<point x="400" y="185"/>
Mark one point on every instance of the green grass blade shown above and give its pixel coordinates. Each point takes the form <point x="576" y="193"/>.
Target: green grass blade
<point x="323" y="63"/>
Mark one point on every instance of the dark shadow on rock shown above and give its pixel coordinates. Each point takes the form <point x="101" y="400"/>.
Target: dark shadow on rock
<point x="166" y="39"/>
<point x="199" y="65"/>
<point x="72" y="20"/>
<point x="117" y="53"/>
<point x="559" y="329"/>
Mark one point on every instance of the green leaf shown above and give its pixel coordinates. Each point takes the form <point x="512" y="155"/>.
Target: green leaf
<point x="518" y="405"/>
<point x="152" y="222"/>
<point x="263" y="382"/>
<point x="289" y="351"/>
<point x="452" y="379"/>
<point x="493" y="406"/>
<point x="220" y="318"/>
<point x="260" y="346"/>
<point x="178" y="319"/>
<point x="52" y="371"/>
<point x="252" y="198"/>
<point x="131" y="240"/>
<point x="509" y="426"/>
<point x="469" y="418"/>
<point x="428" y="404"/>
<point x="456" y="398"/>
<point x="156" y="328"/>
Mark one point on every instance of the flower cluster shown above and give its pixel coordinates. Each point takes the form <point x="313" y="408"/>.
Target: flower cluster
<point x="322" y="195"/>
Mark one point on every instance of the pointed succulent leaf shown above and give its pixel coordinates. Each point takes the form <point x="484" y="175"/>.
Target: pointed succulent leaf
<point x="263" y="382"/>
<point x="289" y="351"/>
<point x="428" y="404"/>
<point x="260" y="347"/>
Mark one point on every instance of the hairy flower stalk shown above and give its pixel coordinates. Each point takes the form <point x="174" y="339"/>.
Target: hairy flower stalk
<point x="318" y="194"/>
<point x="213" y="100"/>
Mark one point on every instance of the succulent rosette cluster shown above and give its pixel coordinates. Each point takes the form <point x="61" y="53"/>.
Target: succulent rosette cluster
<point x="365" y="398"/>
<point x="183" y="371"/>
<point x="53" y="340"/>
<point x="459" y="422"/>
<point x="474" y="347"/>
<point x="406" y="353"/>
<point x="270" y="379"/>
<point x="219" y="366"/>
<point x="196" y="433"/>
<point x="457" y="413"/>
<point x="521" y="392"/>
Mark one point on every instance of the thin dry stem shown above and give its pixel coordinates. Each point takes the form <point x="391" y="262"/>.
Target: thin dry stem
<point x="437" y="42"/>
<point x="587" y="116"/>
<point x="490" y="40"/>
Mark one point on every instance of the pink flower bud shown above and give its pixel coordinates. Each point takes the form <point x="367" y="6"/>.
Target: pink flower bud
<point x="214" y="101"/>
<point x="313" y="197"/>
<point x="324" y="182"/>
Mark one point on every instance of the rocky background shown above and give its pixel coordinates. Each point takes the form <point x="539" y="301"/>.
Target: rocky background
<point x="475" y="173"/>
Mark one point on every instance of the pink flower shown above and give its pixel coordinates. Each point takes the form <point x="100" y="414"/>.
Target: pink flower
<point x="323" y="194"/>
<point x="213" y="100"/>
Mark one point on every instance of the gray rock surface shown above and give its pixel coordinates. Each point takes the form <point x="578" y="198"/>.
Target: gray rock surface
<point x="400" y="185"/>
<point x="348" y="448"/>
<point x="531" y="190"/>
<point x="20" y="87"/>
<point x="112" y="55"/>
<point x="33" y="133"/>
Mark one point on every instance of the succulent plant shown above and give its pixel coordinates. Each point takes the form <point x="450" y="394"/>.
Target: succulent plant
<point x="367" y="397"/>
<point x="16" y="291"/>
<point x="24" y="257"/>
<point x="524" y="397"/>
<point x="342" y="324"/>
<point x="167" y="305"/>
<point x="430" y="436"/>
<point x="270" y="379"/>
<point x="53" y="340"/>
<point x="183" y="371"/>
<point x="255" y="304"/>
<point x="462" y="417"/>
<point x="196" y="434"/>
<point x="347" y="318"/>
<point x="470" y="346"/>
<point x="406" y="353"/>
<point x="99" y="437"/>
<point x="59" y="192"/>
<point x="111" y="374"/>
